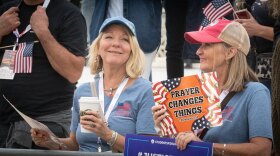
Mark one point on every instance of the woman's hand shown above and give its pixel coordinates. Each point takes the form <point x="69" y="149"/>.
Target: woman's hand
<point x="158" y="114"/>
<point x="183" y="138"/>
<point x="45" y="139"/>
<point x="93" y="122"/>
<point x="251" y="25"/>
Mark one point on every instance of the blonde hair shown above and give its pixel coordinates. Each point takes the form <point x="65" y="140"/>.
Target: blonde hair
<point x="134" y="64"/>
<point x="239" y="73"/>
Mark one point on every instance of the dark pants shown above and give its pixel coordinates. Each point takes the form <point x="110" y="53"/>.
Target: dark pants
<point x="55" y="128"/>
<point x="175" y="27"/>
<point x="181" y="16"/>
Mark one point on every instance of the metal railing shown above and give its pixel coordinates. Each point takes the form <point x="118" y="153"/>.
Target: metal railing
<point x="33" y="152"/>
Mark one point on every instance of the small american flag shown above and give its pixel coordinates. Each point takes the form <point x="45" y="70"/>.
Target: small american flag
<point x="204" y="23"/>
<point x="215" y="10"/>
<point x="23" y="58"/>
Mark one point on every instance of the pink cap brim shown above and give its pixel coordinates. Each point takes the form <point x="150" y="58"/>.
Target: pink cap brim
<point x="198" y="37"/>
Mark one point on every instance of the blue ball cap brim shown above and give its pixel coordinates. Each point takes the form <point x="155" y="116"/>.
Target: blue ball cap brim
<point x="118" y="20"/>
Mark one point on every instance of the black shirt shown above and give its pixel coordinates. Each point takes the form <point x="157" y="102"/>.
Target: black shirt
<point x="43" y="91"/>
<point x="260" y="12"/>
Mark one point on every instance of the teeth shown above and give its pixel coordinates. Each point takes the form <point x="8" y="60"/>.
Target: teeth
<point x="115" y="52"/>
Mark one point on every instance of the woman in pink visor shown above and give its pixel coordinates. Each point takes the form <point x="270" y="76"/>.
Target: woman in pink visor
<point x="247" y="128"/>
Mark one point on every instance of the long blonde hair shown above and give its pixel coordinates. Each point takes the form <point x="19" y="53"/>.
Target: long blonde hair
<point x="134" y="64"/>
<point x="239" y="73"/>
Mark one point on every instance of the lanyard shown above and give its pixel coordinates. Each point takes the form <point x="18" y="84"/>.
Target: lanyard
<point x="115" y="97"/>
<point x="28" y="28"/>
<point x="112" y="104"/>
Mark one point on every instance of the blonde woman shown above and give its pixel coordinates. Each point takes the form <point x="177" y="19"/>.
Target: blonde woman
<point x="117" y="60"/>
<point x="246" y="128"/>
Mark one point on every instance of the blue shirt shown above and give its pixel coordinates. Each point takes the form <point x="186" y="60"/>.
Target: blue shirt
<point x="247" y="115"/>
<point x="131" y="115"/>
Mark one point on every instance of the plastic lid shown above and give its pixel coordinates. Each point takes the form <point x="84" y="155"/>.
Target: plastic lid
<point x="88" y="99"/>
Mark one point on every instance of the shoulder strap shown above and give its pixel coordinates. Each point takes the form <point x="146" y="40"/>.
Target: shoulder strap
<point x="93" y="89"/>
<point x="223" y="105"/>
<point x="226" y="100"/>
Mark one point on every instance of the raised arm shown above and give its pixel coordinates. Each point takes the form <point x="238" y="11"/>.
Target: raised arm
<point x="61" y="59"/>
<point x="255" y="29"/>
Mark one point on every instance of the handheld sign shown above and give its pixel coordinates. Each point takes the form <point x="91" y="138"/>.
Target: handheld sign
<point x="156" y="146"/>
<point x="192" y="103"/>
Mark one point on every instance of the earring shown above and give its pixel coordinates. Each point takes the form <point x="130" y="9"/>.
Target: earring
<point x="96" y="59"/>
<point x="227" y="62"/>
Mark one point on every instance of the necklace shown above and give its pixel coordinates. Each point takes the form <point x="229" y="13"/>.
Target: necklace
<point x="111" y="89"/>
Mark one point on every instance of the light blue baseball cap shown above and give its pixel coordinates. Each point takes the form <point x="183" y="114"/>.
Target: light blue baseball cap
<point x="118" y="20"/>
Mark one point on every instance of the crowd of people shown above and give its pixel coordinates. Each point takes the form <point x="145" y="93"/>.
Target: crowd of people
<point x="44" y="47"/>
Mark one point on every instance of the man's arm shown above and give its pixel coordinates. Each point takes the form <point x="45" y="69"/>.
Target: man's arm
<point x="61" y="59"/>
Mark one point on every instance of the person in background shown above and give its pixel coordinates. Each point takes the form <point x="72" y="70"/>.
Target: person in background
<point x="246" y="128"/>
<point x="145" y="14"/>
<point x="275" y="84"/>
<point x="259" y="26"/>
<point x="52" y="41"/>
<point x="175" y="12"/>
<point x="275" y="96"/>
<point x="87" y="8"/>
<point x="117" y="60"/>
<point x="179" y="18"/>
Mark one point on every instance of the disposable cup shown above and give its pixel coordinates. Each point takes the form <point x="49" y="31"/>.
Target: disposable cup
<point x="89" y="104"/>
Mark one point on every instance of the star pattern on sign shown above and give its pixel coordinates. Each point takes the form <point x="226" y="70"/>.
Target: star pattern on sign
<point x="200" y="123"/>
<point x="171" y="83"/>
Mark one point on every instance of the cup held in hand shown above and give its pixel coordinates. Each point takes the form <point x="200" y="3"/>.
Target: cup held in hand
<point x="89" y="104"/>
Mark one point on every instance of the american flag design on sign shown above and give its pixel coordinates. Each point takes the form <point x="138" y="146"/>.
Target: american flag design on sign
<point x="160" y="92"/>
<point x="23" y="58"/>
<point x="209" y="83"/>
<point x="215" y="10"/>
<point x="207" y="88"/>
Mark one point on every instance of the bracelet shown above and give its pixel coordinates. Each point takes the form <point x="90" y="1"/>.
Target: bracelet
<point x="224" y="148"/>
<point x="113" y="138"/>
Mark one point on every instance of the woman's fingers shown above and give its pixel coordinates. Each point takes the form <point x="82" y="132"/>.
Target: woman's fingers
<point x="156" y="108"/>
<point x="180" y="141"/>
<point x="92" y="121"/>
<point x="184" y="138"/>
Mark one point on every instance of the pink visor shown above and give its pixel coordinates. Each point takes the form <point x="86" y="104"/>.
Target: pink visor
<point x="209" y="34"/>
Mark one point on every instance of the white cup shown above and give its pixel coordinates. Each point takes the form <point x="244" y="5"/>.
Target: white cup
<point x="89" y="104"/>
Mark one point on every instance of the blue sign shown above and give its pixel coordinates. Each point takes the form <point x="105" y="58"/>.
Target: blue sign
<point x="139" y="145"/>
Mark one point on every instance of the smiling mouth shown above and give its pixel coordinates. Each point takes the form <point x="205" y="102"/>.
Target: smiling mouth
<point x="114" y="52"/>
